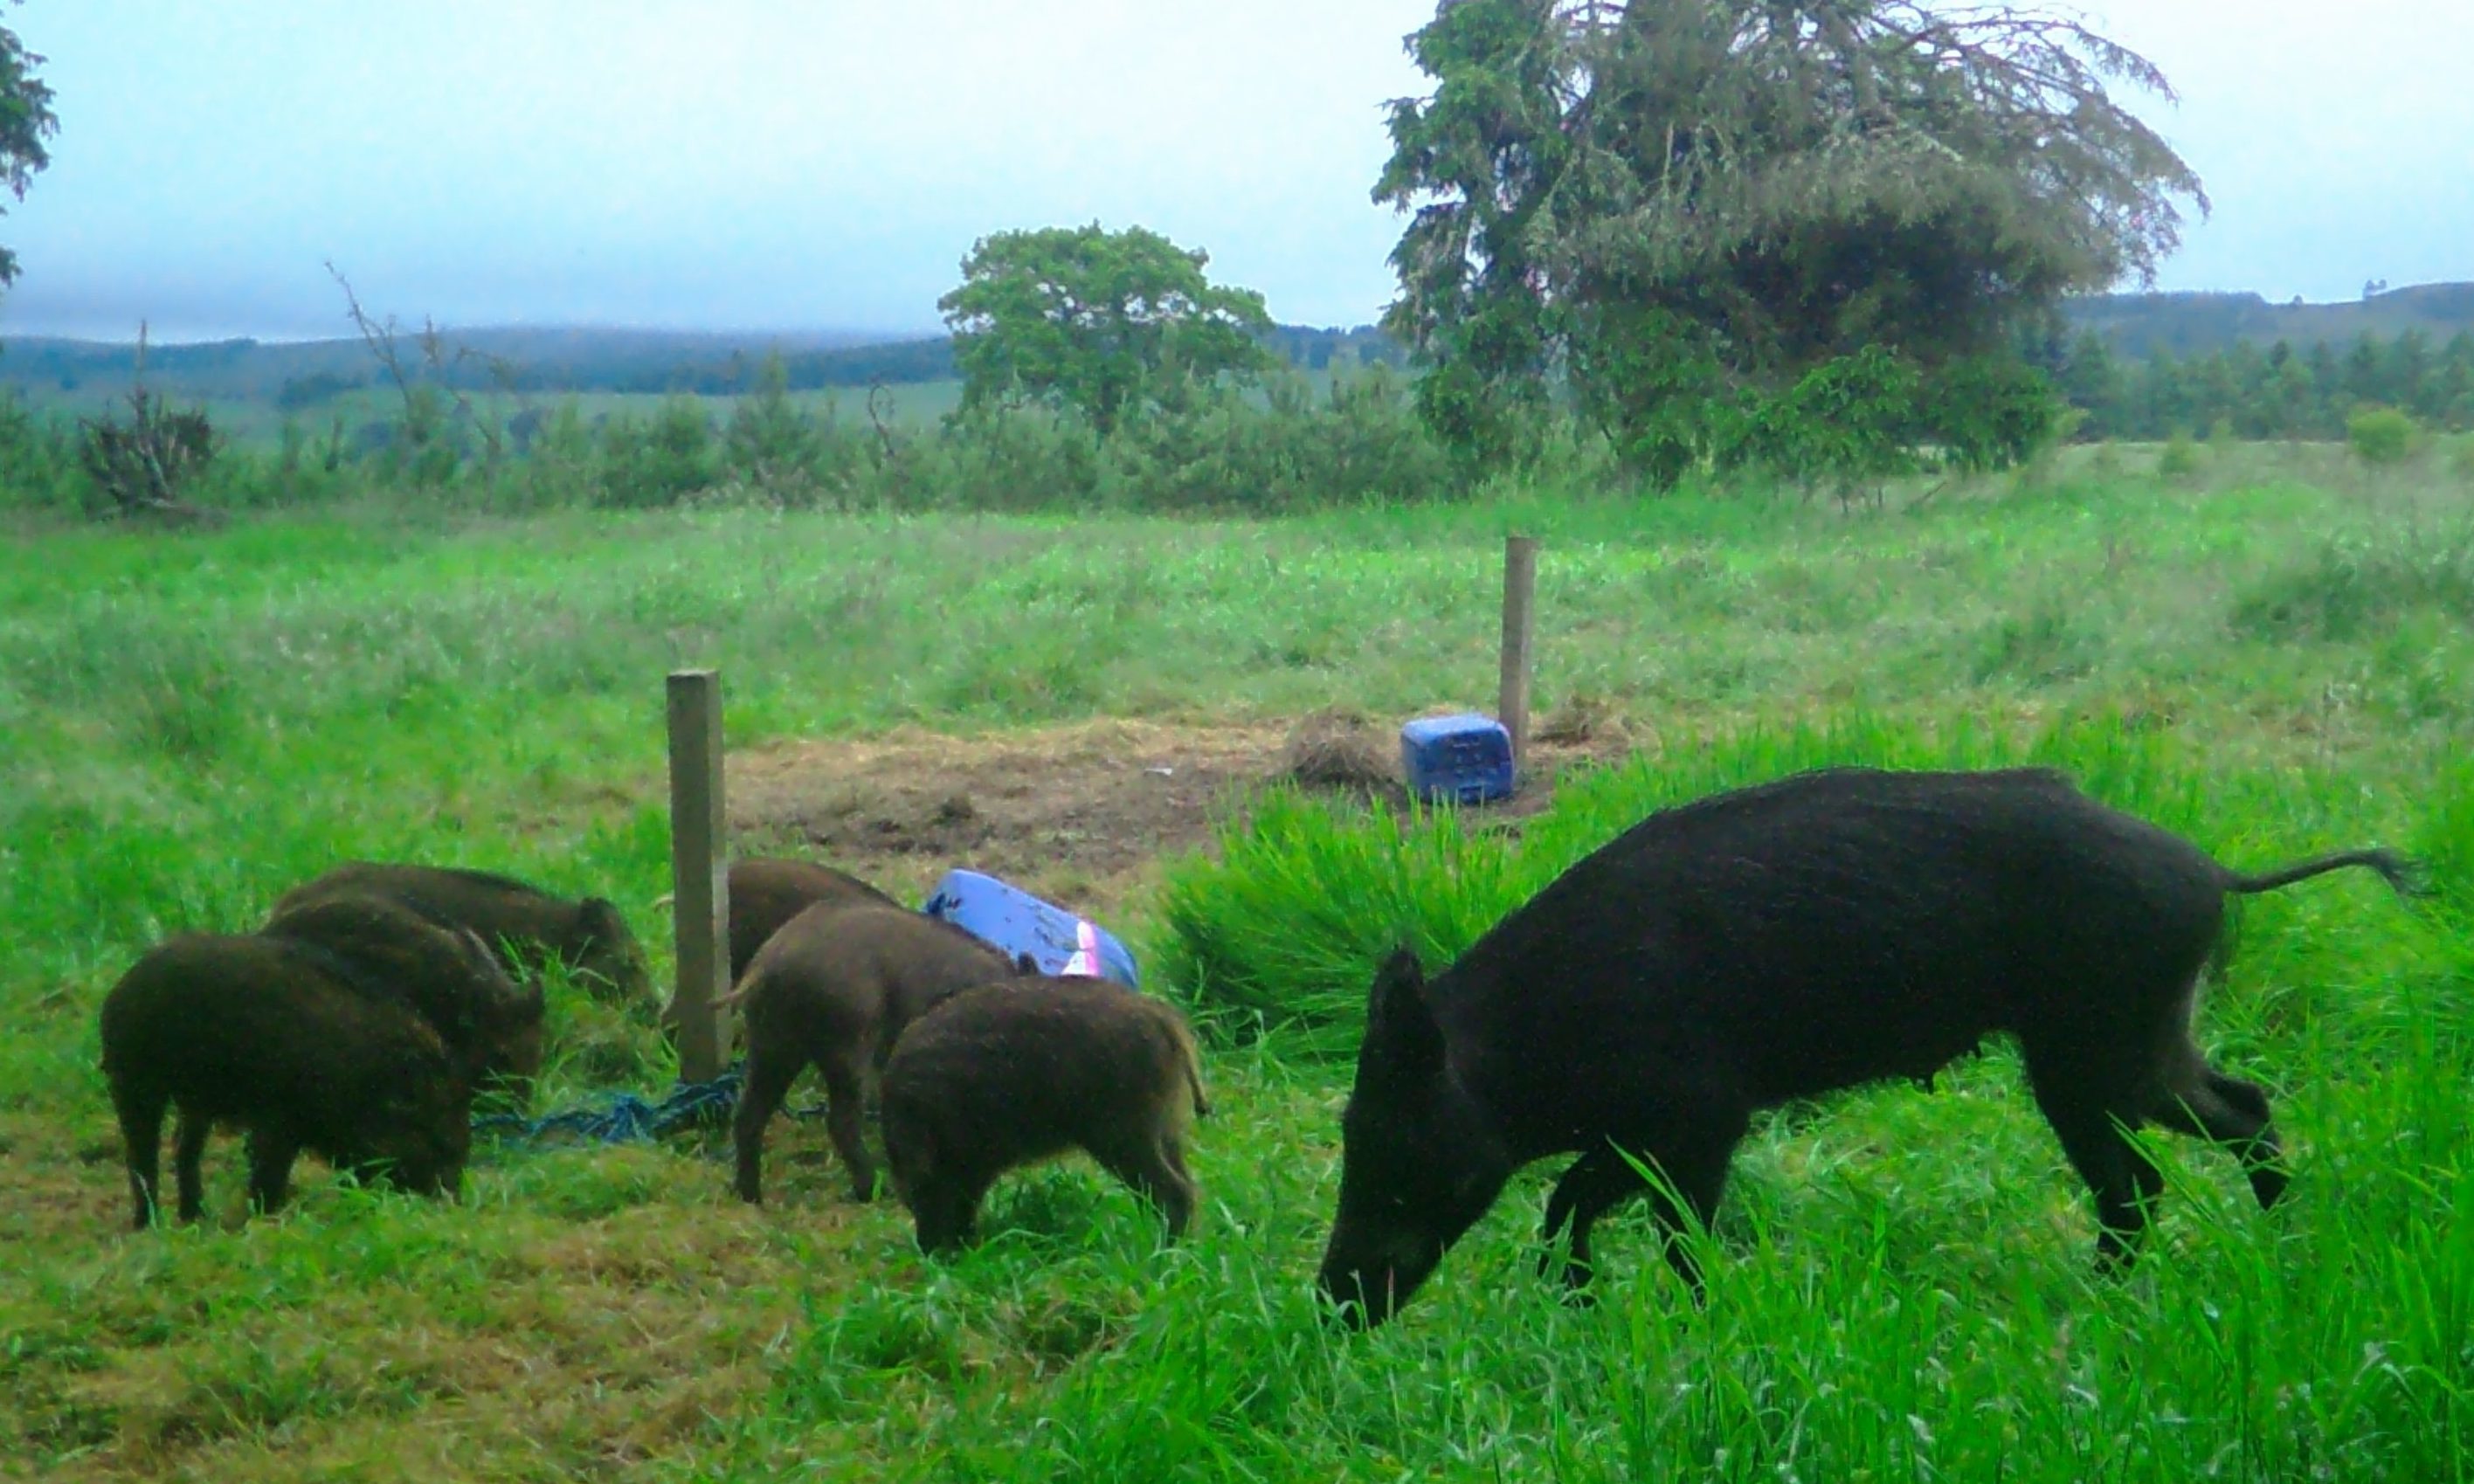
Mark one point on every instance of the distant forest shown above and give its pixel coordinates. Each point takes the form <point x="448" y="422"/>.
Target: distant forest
<point x="2140" y="365"/>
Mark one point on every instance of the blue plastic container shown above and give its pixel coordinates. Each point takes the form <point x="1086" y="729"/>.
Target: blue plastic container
<point x="1057" y="940"/>
<point x="1464" y="758"/>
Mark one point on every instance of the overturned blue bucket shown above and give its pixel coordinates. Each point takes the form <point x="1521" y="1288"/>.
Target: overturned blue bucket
<point x="1059" y="941"/>
<point x="1463" y="759"/>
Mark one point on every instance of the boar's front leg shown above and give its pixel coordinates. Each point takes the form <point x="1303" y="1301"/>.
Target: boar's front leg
<point x="141" y="1141"/>
<point x="1596" y="1181"/>
<point x="188" y="1153"/>
<point x="1690" y="1154"/>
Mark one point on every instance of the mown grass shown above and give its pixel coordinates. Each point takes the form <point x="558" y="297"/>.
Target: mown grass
<point x="1901" y="1291"/>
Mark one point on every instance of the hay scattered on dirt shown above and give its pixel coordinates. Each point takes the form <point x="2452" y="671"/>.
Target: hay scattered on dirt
<point x="1580" y="720"/>
<point x="1339" y="748"/>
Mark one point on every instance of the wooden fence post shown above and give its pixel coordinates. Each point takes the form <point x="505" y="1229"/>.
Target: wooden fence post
<point x="700" y="881"/>
<point x="1519" y="589"/>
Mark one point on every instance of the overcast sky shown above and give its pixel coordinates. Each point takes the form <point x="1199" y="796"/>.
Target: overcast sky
<point x="818" y="164"/>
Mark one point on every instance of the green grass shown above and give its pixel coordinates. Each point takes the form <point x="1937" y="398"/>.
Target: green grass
<point x="258" y="422"/>
<point x="2271" y="661"/>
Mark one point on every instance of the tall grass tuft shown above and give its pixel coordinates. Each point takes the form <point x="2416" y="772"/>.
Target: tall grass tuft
<point x="1283" y="933"/>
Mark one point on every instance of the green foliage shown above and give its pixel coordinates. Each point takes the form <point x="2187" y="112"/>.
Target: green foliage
<point x="1852" y="419"/>
<point x="26" y="121"/>
<point x="2358" y="585"/>
<point x="1204" y="446"/>
<point x="661" y="460"/>
<point x="1665" y="200"/>
<point x="773" y="446"/>
<point x="2180" y="460"/>
<point x="1990" y="413"/>
<point x="2381" y="436"/>
<point x="1097" y="320"/>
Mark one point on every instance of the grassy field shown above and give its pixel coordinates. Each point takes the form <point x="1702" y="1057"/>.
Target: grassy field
<point x="2275" y="660"/>
<point x="258" y="422"/>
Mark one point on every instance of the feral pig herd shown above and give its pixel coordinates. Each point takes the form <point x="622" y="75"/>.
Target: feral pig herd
<point x="1721" y="958"/>
<point x="359" y="1022"/>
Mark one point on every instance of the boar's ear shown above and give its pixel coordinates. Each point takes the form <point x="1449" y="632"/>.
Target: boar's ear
<point x="1401" y="1036"/>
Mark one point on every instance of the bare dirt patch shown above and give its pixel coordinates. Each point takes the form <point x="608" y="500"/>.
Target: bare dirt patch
<point x="1084" y="814"/>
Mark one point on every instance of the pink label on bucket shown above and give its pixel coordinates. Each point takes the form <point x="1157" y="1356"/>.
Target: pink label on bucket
<point x="1087" y="953"/>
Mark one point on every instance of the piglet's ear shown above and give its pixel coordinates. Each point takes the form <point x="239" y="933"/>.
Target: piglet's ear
<point x="1402" y="1041"/>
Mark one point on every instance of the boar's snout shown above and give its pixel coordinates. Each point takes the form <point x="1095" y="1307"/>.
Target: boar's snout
<point x="1364" y="1288"/>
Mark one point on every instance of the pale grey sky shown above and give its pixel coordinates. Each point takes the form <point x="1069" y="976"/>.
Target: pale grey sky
<point x="820" y="164"/>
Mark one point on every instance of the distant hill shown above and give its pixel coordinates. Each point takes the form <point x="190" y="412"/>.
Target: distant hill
<point x="2186" y="324"/>
<point x="304" y="374"/>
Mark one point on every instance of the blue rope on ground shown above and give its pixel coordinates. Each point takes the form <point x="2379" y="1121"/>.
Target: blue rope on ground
<point x="629" y="1119"/>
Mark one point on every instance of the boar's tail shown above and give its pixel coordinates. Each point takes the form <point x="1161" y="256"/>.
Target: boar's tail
<point x="738" y="993"/>
<point x="1193" y="1075"/>
<point x="2401" y="873"/>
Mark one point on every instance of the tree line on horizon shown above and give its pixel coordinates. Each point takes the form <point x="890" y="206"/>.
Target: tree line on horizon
<point x="1826" y="243"/>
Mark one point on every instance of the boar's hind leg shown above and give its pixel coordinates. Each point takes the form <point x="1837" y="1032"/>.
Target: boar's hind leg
<point x="188" y="1152"/>
<point x="1155" y="1170"/>
<point x="2233" y="1113"/>
<point x="770" y="1072"/>
<point x="2093" y="1115"/>
<point x="271" y="1152"/>
<point x="846" y="1118"/>
<point x="141" y="1145"/>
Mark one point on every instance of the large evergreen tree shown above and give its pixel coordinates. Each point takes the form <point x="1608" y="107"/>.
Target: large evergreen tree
<point x="1684" y="206"/>
<point x="26" y="121"/>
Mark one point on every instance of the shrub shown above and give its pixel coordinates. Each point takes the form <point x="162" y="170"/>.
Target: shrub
<point x="2380" y="436"/>
<point x="660" y="461"/>
<point x="2180" y="460"/>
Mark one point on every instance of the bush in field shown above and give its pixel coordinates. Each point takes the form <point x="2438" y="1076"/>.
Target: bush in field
<point x="2381" y="437"/>
<point x="660" y="461"/>
<point x="997" y="458"/>
<point x="2179" y="463"/>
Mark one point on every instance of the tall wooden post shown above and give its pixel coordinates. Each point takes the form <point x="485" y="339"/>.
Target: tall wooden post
<point x="1519" y="589"/>
<point x="700" y="881"/>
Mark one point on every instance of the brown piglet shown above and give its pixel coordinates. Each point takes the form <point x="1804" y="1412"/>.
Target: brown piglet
<point x="1007" y="1074"/>
<point x="834" y="987"/>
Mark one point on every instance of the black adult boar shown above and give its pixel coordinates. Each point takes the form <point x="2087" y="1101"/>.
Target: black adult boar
<point x="1021" y="1070"/>
<point x="513" y="917"/>
<point x="767" y="891"/>
<point x="446" y="975"/>
<point x="1829" y="929"/>
<point x="834" y="987"/>
<point x="264" y="1032"/>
